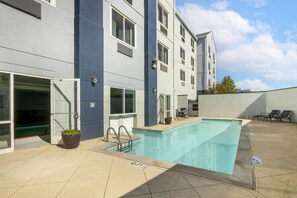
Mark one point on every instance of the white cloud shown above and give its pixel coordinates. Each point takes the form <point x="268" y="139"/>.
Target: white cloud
<point x="254" y="85"/>
<point x="221" y="5"/>
<point x="255" y="3"/>
<point x="244" y="45"/>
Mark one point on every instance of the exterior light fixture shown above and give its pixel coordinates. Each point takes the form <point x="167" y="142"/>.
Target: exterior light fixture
<point x="154" y="90"/>
<point x="154" y="63"/>
<point x="94" y="80"/>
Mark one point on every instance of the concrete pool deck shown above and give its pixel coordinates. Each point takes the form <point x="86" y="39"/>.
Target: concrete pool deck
<point x="51" y="171"/>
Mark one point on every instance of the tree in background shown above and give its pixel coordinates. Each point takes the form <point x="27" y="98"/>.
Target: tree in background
<point x="226" y="86"/>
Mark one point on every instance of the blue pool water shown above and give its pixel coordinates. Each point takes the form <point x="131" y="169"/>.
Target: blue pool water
<point x="207" y="144"/>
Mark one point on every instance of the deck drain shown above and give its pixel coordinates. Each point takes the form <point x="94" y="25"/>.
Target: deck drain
<point x="257" y="160"/>
<point x="139" y="165"/>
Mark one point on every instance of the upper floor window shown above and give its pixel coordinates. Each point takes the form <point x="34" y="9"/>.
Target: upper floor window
<point x="129" y="1"/>
<point x="123" y="28"/>
<point x="192" y="43"/>
<point x="209" y="52"/>
<point x="192" y="61"/>
<point x="182" y="53"/>
<point x="209" y="83"/>
<point x="182" y="32"/>
<point x="192" y="80"/>
<point x="163" y="16"/>
<point x="214" y="71"/>
<point x="162" y="53"/>
<point x="214" y="57"/>
<point x="182" y="75"/>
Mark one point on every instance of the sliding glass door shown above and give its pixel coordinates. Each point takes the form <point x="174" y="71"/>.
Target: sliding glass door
<point x="6" y="115"/>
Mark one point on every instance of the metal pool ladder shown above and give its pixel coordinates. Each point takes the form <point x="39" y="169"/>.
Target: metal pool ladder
<point x="122" y="144"/>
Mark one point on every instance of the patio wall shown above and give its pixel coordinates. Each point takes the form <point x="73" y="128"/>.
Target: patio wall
<point x="245" y="105"/>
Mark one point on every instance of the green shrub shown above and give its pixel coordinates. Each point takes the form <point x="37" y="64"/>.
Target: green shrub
<point x="71" y="132"/>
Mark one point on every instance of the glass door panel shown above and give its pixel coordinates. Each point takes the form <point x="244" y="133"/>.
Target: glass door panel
<point x="6" y="138"/>
<point x="65" y="107"/>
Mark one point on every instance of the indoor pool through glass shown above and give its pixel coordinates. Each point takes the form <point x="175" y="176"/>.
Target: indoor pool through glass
<point x="206" y="144"/>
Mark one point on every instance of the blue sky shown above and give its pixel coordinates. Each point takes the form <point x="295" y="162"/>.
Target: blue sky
<point x="256" y="40"/>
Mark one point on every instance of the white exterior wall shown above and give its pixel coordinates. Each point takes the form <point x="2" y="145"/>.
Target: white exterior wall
<point x="246" y="105"/>
<point x="184" y="88"/>
<point x="40" y="47"/>
<point x="121" y="71"/>
<point x="165" y="79"/>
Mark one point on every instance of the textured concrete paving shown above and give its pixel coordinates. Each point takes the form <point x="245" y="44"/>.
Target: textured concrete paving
<point x="51" y="171"/>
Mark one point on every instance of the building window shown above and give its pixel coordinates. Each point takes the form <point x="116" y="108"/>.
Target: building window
<point x="129" y="101"/>
<point x="121" y="99"/>
<point x="192" y="80"/>
<point x="213" y="71"/>
<point x="192" y="43"/>
<point x="182" y="75"/>
<point x="209" y="84"/>
<point x="122" y="28"/>
<point x="163" y="16"/>
<point x="214" y="57"/>
<point x="209" y="67"/>
<point x="192" y="61"/>
<point x="163" y="53"/>
<point x="182" y="31"/>
<point x="209" y="52"/>
<point x="182" y="53"/>
<point x="129" y="1"/>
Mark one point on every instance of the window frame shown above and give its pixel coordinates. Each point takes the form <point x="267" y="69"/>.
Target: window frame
<point x="162" y="52"/>
<point x="192" y="61"/>
<point x="182" y="75"/>
<point x="182" y="53"/>
<point x="124" y="28"/>
<point x="123" y="102"/>
<point x="192" y="43"/>
<point x="182" y="31"/>
<point x="162" y="16"/>
<point x="192" y="80"/>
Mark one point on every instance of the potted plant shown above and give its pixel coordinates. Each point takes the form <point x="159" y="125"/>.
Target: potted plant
<point x="168" y="120"/>
<point x="71" y="138"/>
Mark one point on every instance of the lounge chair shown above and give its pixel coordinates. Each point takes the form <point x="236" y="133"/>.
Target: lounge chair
<point x="273" y="115"/>
<point x="286" y="114"/>
<point x="186" y="112"/>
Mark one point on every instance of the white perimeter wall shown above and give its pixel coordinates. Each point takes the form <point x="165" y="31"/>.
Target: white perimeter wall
<point x="245" y="105"/>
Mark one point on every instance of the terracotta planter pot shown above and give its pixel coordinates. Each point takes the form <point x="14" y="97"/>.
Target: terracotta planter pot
<point x="71" y="141"/>
<point x="168" y="120"/>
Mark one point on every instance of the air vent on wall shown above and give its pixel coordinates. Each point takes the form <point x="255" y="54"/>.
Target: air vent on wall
<point x="183" y="84"/>
<point x="163" y="68"/>
<point x="183" y="61"/>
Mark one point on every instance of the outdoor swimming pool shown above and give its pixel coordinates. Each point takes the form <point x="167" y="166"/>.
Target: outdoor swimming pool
<point x="206" y="144"/>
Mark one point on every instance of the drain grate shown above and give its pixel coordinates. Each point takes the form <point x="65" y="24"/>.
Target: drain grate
<point x="257" y="160"/>
<point x="139" y="165"/>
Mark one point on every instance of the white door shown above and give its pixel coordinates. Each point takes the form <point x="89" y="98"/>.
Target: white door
<point x="65" y="107"/>
<point x="6" y="113"/>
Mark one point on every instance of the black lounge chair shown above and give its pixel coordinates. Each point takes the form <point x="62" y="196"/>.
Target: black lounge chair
<point x="286" y="114"/>
<point x="273" y="114"/>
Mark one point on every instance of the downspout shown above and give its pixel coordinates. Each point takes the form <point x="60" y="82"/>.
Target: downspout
<point x="173" y="66"/>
